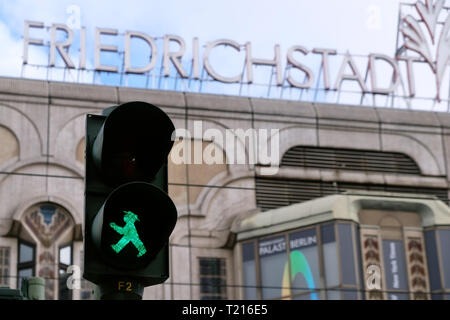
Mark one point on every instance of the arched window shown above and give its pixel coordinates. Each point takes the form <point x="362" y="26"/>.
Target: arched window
<point x="45" y="247"/>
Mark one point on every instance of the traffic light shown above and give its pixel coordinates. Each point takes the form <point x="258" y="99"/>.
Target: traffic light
<point x="128" y="214"/>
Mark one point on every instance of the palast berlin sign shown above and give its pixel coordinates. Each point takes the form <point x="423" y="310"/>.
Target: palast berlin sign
<point x="411" y="28"/>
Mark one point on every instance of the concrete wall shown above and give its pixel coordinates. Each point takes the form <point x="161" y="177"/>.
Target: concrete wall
<point x="42" y="130"/>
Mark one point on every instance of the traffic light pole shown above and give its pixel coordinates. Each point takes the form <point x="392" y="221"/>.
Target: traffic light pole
<point x="120" y="289"/>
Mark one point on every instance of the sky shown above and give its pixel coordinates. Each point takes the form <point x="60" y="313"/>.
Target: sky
<point x="360" y="27"/>
<point x="357" y="25"/>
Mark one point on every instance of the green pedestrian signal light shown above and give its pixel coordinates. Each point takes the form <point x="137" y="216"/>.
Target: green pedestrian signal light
<point x="128" y="215"/>
<point x="129" y="234"/>
<point x="157" y="218"/>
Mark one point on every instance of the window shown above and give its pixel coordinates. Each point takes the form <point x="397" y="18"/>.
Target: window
<point x="312" y="263"/>
<point x="395" y="270"/>
<point x="438" y="258"/>
<point x="65" y="256"/>
<point x="304" y="267"/>
<point x="347" y="258"/>
<point x="213" y="284"/>
<point x="249" y="264"/>
<point x="27" y="261"/>
<point x="272" y="256"/>
<point x="433" y="260"/>
<point x="65" y="259"/>
<point x="4" y="266"/>
<point x="330" y="261"/>
<point x="444" y="238"/>
<point x="393" y="241"/>
<point x="49" y="225"/>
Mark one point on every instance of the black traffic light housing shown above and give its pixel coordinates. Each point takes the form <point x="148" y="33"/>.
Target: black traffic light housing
<point x="128" y="214"/>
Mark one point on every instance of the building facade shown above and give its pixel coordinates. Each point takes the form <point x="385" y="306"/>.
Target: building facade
<point x="357" y="207"/>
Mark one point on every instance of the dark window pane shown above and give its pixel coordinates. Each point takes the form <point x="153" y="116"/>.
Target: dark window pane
<point x="64" y="292"/>
<point x="24" y="273"/>
<point x="432" y="259"/>
<point x="349" y="294"/>
<point x="248" y="252"/>
<point x="444" y="238"/>
<point x="212" y="278"/>
<point x="395" y="266"/>
<point x="211" y="266"/>
<point x="272" y="253"/>
<point x="327" y="233"/>
<point x="4" y="266"/>
<point x="360" y="264"/>
<point x="249" y="265"/>
<point x="6" y="256"/>
<point x="346" y="253"/>
<point x="304" y="263"/>
<point x="212" y="285"/>
<point x="209" y="297"/>
<point x="437" y="296"/>
<point x="330" y="258"/>
<point x="26" y="253"/>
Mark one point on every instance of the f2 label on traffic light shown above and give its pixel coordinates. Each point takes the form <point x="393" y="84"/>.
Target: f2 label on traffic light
<point x="124" y="286"/>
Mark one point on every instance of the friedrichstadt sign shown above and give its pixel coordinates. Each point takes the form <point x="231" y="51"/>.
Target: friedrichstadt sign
<point x="411" y="28"/>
